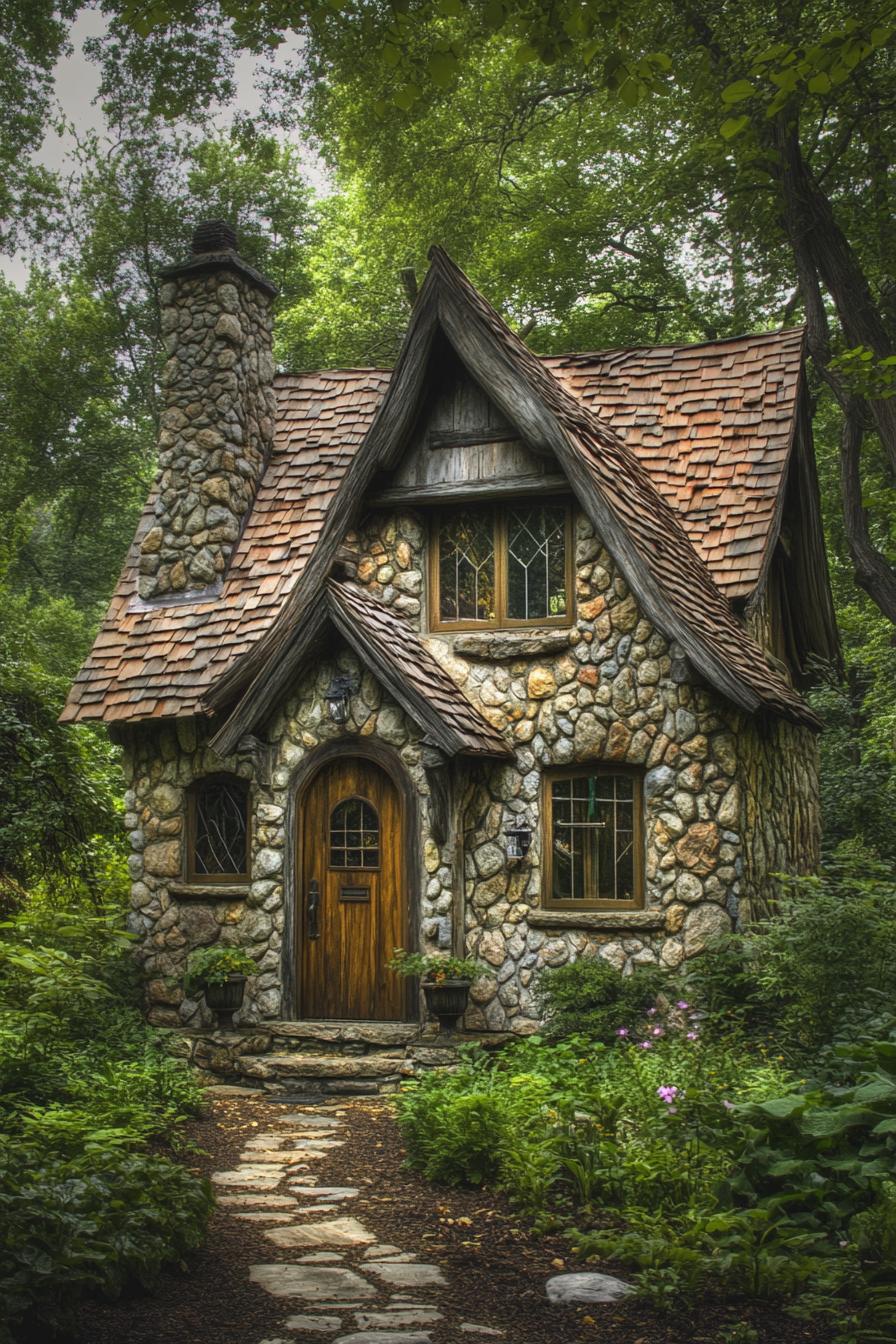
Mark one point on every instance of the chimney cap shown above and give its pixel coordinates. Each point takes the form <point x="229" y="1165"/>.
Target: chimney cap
<point x="214" y="235"/>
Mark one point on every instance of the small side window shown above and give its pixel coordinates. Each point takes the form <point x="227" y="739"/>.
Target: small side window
<point x="218" y="829"/>
<point x="354" y="835"/>
<point x="593" y="849"/>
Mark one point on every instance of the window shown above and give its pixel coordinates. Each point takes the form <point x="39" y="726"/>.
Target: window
<point x="354" y="835"/>
<point x="593" y="848"/>
<point x="501" y="567"/>
<point x="218" y="830"/>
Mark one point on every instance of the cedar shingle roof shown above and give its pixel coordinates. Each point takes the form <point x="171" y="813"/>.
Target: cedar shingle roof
<point x="683" y="410"/>
<point x="713" y="424"/>
<point x="387" y="642"/>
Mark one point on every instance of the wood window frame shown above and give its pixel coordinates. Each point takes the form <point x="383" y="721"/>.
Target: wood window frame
<point x="584" y="768"/>
<point x="192" y="875"/>
<point x="501" y="620"/>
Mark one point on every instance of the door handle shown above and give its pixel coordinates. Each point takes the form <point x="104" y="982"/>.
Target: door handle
<point x="313" y="909"/>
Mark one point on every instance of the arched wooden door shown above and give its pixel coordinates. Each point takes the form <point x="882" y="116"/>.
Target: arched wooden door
<point x="352" y="893"/>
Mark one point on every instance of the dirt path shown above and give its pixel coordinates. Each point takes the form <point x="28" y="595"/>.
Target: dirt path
<point x="320" y="1234"/>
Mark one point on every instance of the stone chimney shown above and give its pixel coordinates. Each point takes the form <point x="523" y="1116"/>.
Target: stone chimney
<point x="218" y="413"/>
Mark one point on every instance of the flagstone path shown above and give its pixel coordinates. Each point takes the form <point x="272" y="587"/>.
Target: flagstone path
<point x="332" y="1287"/>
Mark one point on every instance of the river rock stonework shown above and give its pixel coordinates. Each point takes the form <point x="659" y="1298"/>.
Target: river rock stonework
<point x="728" y="799"/>
<point x="217" y="423"/>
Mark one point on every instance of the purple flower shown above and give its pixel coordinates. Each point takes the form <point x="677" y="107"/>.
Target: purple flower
<point x="622" y="1031"/>
<point x="645" y="1045"/>
<point x="651" y="1012"/>
<point x="657" y="1031"/>
<point x="729" y="1105"/>
<point x="667" y="1094"/>
<point x="691" y="1036"/>
<point x="682" y="1005"/>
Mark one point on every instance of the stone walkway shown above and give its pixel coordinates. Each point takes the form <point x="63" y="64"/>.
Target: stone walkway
<point x="332" y="1285"/>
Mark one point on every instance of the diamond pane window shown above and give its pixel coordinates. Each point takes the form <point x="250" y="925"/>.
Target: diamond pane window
<point x="220" y="829"/>
<point x="505" y="566"/>
<point x="594" y="825"/>
<point x="354" y="835"/>
<point x="536" y="562"/>
<point x="467" y="567"/>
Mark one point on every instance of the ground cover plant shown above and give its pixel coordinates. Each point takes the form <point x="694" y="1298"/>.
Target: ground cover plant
<point x="734" y="1137"/>
<point x="91" y="1106"/>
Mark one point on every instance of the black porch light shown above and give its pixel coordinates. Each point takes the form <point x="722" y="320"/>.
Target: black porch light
<point x="338" y="694"/>
<point x="519" y="838"/>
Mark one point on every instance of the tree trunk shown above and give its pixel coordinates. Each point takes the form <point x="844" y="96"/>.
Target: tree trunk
<point x="871" y="569"/>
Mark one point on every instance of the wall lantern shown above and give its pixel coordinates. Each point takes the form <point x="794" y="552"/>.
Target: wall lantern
<point x="339" y="692"/>
<point x="519" y="838"/>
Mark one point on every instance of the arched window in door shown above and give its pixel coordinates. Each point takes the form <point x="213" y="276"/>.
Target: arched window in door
<point x="354" y="835"/>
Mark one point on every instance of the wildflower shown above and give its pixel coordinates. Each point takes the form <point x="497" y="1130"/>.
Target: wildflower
<point x="651" y="1012"/>
<point x="622" y="1031"/>
<point x="667" y="1094"/>
<point x="682" y="1005"/>
<point x="691" y="1036"/>
<point x="729" y="1105"/>
<point x="646" y="1045"/>
<point x="657" y="1031"/>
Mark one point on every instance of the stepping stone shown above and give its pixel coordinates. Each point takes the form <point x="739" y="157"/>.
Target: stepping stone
<point x="313" y="1283"/>
<point x="319" y="1258"/>
<point x="586" y="1287"/>
<point x="407" y="1276"/>
<point x="385" y="1252"/>
<point x="259" y="1201"/>
<point x="397" y="1318"/>
<point x="249" y="1179"/>
<point x="399" y="1257"/>
<point x="263" y="1217"/>
<point x="330" y="1192"/>
<point x="469" y="1328"/>
<point x="386" y="1337"/>
<point x="309" y="1121"/>
<point x="269" y="1158"/>
<point x="228" y="1090"/>
<point x="324" y="1325"/>
<point x="331" y="1232"/>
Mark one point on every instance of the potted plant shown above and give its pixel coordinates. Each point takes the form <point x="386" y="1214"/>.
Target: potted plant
<point x="446" y="982"/>
<point x="220" y="972"/>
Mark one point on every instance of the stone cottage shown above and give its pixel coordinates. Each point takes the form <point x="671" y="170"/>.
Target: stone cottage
<point x="488" y="652"/>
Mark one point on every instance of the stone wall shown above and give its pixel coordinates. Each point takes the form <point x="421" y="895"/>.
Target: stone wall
<point x="728" y="799"/>
<point x="217" y="422"/>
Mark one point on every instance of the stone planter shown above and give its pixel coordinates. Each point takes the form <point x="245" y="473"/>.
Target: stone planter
<point x="447" y="1001"/>
<point x="225" y="999"/>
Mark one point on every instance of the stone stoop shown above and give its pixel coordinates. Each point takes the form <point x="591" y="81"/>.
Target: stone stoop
<point x="313" y="1058"/>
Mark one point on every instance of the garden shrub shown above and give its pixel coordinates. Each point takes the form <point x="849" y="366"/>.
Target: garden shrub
<point x="590" y="997"/>
<point x="84" y="1084"/>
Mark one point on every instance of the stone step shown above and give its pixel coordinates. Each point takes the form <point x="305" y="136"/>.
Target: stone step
<point x="352" y="1038"/>
<point x="302" y="1073"/>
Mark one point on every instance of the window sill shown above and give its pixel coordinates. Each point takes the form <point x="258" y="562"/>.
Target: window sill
<point x="497" y="645"/>
<point x="597" y="919"/>
<point x="209" y="891"/>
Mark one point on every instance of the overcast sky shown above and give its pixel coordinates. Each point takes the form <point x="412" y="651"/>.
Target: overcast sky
<point x="77" y="82"/>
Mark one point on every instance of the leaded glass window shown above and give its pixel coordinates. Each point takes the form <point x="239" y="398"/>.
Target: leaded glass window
<point x="467" y="567"/>
<point x="593" y="820"/>
<point x="536" y="562"/>
<point x="354" y="835"/>
<point x="220" y="829"/>
<point x="504" y="566"/>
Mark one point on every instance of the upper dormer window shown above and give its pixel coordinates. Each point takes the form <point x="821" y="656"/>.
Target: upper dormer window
<point x="502" y="567"/>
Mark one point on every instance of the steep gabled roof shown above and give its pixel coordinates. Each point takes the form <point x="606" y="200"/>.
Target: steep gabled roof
<point x="158" y="660"/>
<point x="713" y="425"/>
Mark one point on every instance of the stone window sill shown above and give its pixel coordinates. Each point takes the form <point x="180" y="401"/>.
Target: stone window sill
<point x="506" y="645"/>
<point x="597" y="919"/>
<point x="209" y="891"/>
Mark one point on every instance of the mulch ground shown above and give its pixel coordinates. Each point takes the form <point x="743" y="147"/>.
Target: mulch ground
<point x="495" y="1267"/>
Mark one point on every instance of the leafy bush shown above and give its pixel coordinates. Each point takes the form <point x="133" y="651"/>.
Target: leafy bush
<point x="590" y="997"/>
<point x="215" y="965"/>
<point x="435" y="968"/>
<point x="84" y="1084"/>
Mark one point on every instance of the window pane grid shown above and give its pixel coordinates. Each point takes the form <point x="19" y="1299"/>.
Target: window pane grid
<point x="220" y="841"/>
<point x="354" y="835"/>
<point x="467" y="568"/>
<point x="536" y="563"/>
<point x="593" y="838"/>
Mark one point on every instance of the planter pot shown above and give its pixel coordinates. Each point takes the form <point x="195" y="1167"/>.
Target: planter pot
<point x="227" y="998"/>
<point x="447" y="1001"/>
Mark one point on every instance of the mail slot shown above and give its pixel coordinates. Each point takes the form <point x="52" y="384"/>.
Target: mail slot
<point x="357" y="895"/>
